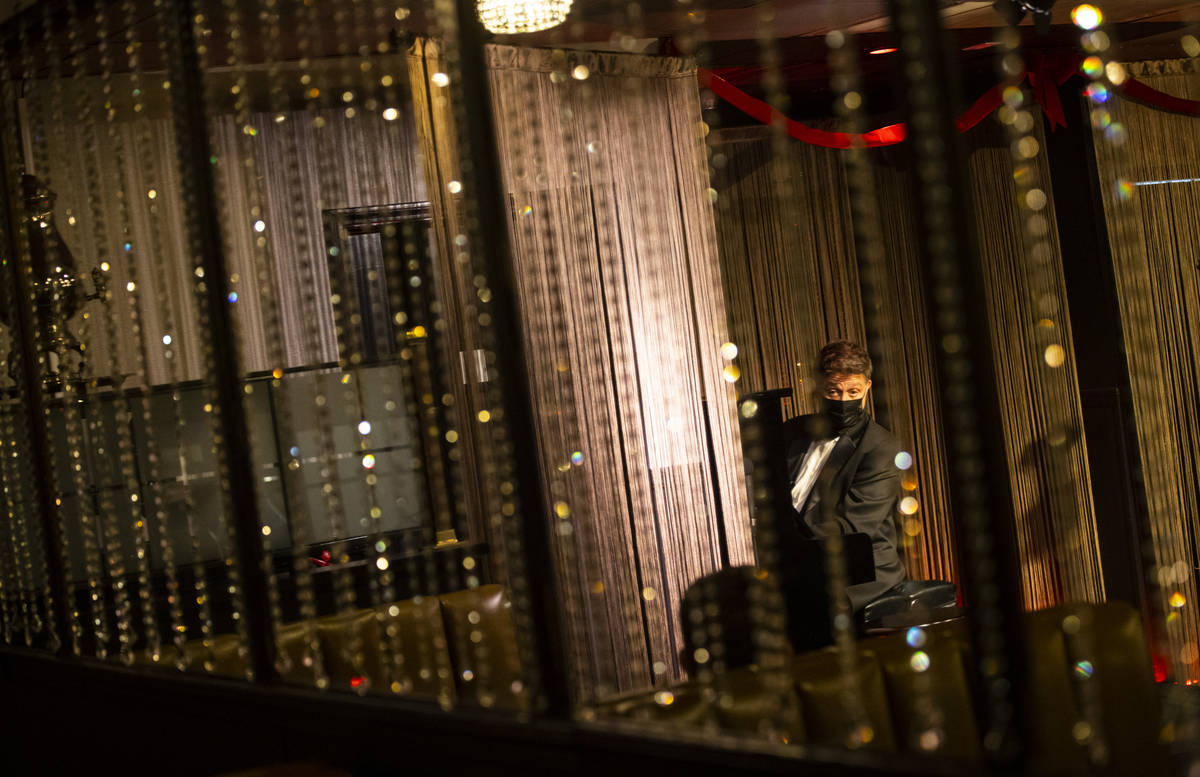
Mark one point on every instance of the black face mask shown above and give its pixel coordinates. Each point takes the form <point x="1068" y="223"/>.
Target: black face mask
<point x="843" y="416"/>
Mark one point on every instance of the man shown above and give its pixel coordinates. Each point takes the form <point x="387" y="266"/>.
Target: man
<point x="842" y="467"/>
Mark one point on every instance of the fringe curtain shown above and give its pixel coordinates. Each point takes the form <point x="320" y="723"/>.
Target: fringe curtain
<point x="793" y="288"/>
<point x="623" y="316"/>
<point x="1151" y="189"/>
<point x="1039" y="391"/>
<point x="376" y="163"/>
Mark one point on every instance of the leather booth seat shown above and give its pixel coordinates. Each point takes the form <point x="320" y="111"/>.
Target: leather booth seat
<point x="916" y="695"/>
<point x="457" y="646"/>
<point x="226" y="659"/>
<point x="482" y="641"/>
<point x="743" y="701"/>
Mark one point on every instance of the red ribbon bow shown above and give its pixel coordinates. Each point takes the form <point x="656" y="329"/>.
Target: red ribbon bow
<point x="1049" y="72"/>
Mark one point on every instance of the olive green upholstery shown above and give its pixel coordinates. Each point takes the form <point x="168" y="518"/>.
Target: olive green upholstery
<point x="920" y="703"/>
<point x="402" y="648"/>
<point x="227" y="658"/>
<point x="482" y="642"/>
<point x="741" y="701"/>
<point x="683" y="704"/>
<point x="931" y="708"/>
<point x="416" y="641"/>
<point x="823" y="690"/>
<point x="351" y="649"/>
<point x="293" y="659"/>
<point x="1118" y="678"/>
<point x="749" y="701"/>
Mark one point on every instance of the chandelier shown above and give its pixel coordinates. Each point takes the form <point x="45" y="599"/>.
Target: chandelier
<point x="509" y="17"/>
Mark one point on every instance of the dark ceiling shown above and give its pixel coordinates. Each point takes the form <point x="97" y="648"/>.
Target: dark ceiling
<point x="729" y="32"/>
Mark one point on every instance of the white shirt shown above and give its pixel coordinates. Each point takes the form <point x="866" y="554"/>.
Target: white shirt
<point x="814" y="459"/>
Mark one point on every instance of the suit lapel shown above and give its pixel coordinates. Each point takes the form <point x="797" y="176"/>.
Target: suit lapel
<point x="796" y="449"/>
<point x="831" y="475"/>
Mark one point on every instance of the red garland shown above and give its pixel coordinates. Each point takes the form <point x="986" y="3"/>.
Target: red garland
<point x="1148" y="95"/>
<point x="1048" y="73"/>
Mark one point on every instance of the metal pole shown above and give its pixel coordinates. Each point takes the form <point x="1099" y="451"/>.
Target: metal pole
<point x="495" y="248"/>
<point x="24" y="326"/>
<point x="190" y="119"/>
<point x="980" y="492"/>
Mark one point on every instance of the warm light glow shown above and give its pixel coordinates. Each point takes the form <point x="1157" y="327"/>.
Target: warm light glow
<point x="891" y="50"/>
<point x="510" y="17"/>
<point x="1086" y="17"/>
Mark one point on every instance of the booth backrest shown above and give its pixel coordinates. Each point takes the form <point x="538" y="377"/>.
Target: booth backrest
<point x="350" y="649"/>
<point x="1091" y="661"/>
<point x="825" y="690"/>
<point x="483" y="647"/>
<point x="930" y="709"/>
<point x="459" y="645"/>
<point x="916" y="697"/>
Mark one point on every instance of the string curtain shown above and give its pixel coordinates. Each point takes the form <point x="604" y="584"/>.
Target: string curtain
<point x="1151" y="200"/>
<point x="792" y="278"/>
<point x="1040" y="411"/>
<point x="375" y="162"/>
<point x="792" y="289"/>
<point x="623" y="318"/>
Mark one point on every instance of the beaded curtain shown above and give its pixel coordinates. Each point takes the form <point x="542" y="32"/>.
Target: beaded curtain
<point x="624" y="320"/>
<point x="376" y="163"/>
<point x="1147" y="176"/>
<point x="789" y="296"/>
<point x="124" y="207"/>
<point x="158" y="498"/>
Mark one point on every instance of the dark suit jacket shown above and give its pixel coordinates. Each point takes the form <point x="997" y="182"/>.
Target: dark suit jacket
<point x="861" y="479"/>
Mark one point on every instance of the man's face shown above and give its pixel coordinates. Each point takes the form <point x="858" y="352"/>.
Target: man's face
<point x="843" y="388"/>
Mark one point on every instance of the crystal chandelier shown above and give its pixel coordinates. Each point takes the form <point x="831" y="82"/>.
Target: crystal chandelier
<point x="508" y="17"/>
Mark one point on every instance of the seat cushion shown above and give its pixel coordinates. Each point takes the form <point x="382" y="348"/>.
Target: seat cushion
<point x="925" y="671"/>
<point x="227" y="658"/>
<point x="415" y="638"/>
<point x="407" y="655"/>
<point x="1101" y="649"/>
<point x="294" y="652"/>
<point x="350" y="647"/>
<point x="739" y="702"/>
<point x="822" y="690"/>
<point x="682" y="704"/>
<point x="483" y="647"/>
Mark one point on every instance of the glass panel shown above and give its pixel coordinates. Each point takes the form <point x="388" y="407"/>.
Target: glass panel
<point x="749" y="359"/>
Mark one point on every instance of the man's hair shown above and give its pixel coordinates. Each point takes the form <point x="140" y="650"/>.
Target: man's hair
<point x="842" y="357"/>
